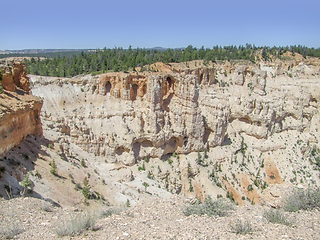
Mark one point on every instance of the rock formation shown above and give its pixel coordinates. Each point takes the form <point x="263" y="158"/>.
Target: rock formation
<point x="201" y="129"/>
<point x="14" y="74"/>
<point x="19" y="110"/>
<point x="196" y="128"/>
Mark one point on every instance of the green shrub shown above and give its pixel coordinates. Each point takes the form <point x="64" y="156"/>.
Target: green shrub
<point x="240" y="227"/>
<point x="53" y="169"/>
<point x="276" y="216"/>
<point x="190" y="186"/>
<point x="146" y="185"/>
<point x="86" y="188"/>
<point x="219" y="207"/>
<point x="143" y="168"/>
<point x="27" y="184"/>
<point x="301" y="199"/>
<point x="83" y="164"/>
<point x="128" y="203"/>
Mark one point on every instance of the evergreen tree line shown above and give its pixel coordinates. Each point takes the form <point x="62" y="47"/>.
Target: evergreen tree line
<point x="119" y="59"/>
<point x="44" y="54"/>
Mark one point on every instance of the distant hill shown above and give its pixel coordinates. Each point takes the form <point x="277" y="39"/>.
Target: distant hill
<point x="37" y="51"/>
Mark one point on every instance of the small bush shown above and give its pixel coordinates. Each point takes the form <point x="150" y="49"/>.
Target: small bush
<point x="46" y="206"/>
<point x="219" y="207"/>
<point x="83" y="164"/>
<point x="27" y="184"/>
<point x="241" y="227"/>
<point x="77" y="186"/>
<point x="301" y="199"/>
<point x="276" y="216"/>
<point x="86" y="188"/>
<point x="53" y="169"/>
<point x="104" y="213"/>
<point x="76" y="225"/>
<point x="128" y="203"/>
<point x="10" y="232"/>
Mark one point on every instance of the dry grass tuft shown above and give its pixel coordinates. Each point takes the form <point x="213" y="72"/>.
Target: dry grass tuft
<point x="77" y="225"/>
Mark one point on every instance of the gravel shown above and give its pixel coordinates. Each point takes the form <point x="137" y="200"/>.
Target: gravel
<point x="156" y="218"/>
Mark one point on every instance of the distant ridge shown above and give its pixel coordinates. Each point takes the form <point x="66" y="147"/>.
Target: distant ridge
<point x="159" y="48"/>
<point x="35" y="51"/>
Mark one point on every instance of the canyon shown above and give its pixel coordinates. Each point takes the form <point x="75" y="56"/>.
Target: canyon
<point x="228" y="129"/>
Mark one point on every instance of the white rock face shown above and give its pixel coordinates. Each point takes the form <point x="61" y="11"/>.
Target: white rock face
<point x="164" y="119"/>
<point x="127" y="117"/>
<point x="236" y="112"/>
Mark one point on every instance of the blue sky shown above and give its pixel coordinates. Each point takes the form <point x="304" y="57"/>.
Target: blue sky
<point x="97" y="24"/>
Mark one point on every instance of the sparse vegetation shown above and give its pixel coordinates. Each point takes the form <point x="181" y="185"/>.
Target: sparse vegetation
<point x="219" y="207"/>
<point x="190" y="174"/>
<point x="276" y="216"/>
<point x="128" y="203"/>
<point x="27" y="184"/>
<point x="77" y="186"/>
<point x="301" y="199"/>
<point x="250" y="188"/>
<point x="86" y="188"/>
<point x="53" y="169"/>
<point x="9" y="232"/>
<point x="230" y="196"/>
<point x="104" y="213"/>
<point x="82" y="162"/>
<point x="143" y="168"/>
<point x="46" y="206"/>
<point x="201" y="161"/>
<point x="190" y="186"/>
<point x="38" y="175"/>
<point x="146" y="185"/>
<point x="241" y="227"/>
<point x="76" y="225"/>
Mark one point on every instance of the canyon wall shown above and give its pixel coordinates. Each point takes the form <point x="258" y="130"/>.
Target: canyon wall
<point x="19" y="109"/>
<point x="202" y="129"/>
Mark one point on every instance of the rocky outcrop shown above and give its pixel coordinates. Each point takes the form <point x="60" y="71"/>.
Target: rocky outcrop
<point x="19" y="110"/>
<point x="14" y="74"/>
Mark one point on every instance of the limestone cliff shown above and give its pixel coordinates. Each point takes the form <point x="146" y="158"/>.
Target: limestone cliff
<point x="19" y="110"/>
<point x="200" y="128"/>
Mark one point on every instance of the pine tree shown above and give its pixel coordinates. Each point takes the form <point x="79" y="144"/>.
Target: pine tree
<point x="86" y="188"/>
<point x="53" y="169"/>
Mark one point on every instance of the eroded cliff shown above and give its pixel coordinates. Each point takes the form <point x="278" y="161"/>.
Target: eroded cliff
<point x="195" y="128"/>
<point x="19" y="109"/>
